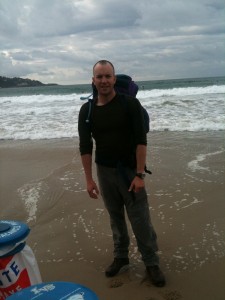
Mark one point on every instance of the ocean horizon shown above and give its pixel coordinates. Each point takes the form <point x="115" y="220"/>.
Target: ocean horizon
<point x="47" y="112"/>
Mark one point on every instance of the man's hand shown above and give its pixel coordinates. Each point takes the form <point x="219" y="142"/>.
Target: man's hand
<point x="92" y="189"/>
<point x="137" y="185"/>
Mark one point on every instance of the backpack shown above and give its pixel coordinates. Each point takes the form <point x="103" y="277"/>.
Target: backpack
<point x="124" y="85"/>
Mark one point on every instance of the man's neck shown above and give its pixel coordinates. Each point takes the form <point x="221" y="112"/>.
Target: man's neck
<point x="104" y="99"/>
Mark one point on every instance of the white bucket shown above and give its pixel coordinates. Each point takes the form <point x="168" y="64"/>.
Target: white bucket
<point x="18" y="266"/>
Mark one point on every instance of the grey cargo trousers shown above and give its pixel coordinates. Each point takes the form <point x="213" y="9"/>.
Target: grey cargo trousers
<point x="114" y="184"/>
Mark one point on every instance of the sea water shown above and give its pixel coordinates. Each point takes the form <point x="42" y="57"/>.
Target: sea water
<point x="48" y="112"/>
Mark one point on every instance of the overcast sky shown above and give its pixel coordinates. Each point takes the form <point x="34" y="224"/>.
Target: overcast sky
<point x="60" y="40"/>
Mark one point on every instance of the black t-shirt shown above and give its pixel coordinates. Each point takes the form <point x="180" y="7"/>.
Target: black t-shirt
<point x="117" y="128"/>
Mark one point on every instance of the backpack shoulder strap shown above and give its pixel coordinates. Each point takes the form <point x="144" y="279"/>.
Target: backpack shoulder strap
<point x="90" y="107"/>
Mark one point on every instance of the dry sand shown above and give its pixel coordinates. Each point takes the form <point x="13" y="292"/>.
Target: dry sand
<point x="42" y="184"/>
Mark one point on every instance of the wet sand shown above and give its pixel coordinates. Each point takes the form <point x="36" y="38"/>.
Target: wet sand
<point x="42" y="184"/>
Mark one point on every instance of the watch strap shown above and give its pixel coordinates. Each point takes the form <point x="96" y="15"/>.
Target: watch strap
<point x="140" y="175"/>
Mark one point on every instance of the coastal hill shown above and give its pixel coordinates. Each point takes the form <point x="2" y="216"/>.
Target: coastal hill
<point x="6" y="82"/>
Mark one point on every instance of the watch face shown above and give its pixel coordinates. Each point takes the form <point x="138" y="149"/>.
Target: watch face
<point x="141" y="175"/>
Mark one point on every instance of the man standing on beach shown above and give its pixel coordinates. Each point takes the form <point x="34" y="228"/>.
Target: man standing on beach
<point x="120" y="160"/>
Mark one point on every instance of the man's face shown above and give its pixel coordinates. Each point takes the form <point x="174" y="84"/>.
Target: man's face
<point x="104" y="79"/>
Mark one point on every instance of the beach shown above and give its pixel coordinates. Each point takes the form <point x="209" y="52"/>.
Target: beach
<point x="42" y="184"/>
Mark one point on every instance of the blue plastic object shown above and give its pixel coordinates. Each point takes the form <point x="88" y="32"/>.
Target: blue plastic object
<point x="55" y="291"/>
<point x="12" y="232"/>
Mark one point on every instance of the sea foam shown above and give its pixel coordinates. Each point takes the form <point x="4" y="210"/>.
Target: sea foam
<point x="46" y="116"/>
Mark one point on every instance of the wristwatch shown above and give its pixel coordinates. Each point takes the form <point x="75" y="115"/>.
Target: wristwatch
<point x="141" y="175"/>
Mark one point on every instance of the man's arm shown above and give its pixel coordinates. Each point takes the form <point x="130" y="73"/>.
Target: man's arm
<point x="137" y="183"/>
<point x="86" y="146"/>
<point x="92" y="188"/>
<point x="141" y="158"/>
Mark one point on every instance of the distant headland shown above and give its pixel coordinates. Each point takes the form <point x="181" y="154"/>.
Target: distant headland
<point x="6" y="82"/>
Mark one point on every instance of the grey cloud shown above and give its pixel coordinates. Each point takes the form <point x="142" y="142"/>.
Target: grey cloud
<point x="60" y="40"/>
<point x="53" y="18"/>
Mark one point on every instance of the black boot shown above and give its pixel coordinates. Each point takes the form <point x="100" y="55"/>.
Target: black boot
<point x="116" y="266"/>
<point x="156" y="275"/>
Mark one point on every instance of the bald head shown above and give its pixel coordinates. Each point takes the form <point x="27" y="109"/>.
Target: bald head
<point x="102" y="63"/>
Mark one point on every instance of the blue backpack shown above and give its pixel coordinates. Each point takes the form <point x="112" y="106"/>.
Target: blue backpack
<point x="124" y="85"/>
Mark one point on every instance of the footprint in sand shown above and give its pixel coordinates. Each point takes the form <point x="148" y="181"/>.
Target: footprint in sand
<point x="115" y="283"/>
<point x="172" y="295"/>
